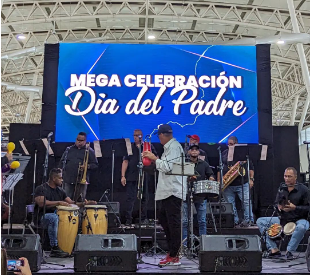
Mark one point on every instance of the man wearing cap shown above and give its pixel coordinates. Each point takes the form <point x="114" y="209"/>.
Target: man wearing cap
<point x="171" y="190"/>
<point x="194" y="140"/>
<point x="204" y="172"/>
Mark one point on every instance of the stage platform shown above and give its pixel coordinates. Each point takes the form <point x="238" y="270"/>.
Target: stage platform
<point x="279" y="266"/>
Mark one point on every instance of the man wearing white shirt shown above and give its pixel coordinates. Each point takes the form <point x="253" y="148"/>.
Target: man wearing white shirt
<point x="171" y="190"/>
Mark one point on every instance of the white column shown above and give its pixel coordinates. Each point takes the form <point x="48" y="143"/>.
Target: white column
<point x="30" y="99"/>
<point x="303" y="63"/>
<point x="294" y="109"/>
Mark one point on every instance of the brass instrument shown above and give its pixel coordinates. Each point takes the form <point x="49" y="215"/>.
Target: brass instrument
<point x="233" y="173"/>
<point x="82" y="170"/>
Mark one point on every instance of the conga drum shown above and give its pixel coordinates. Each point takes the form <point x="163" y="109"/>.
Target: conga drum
<point x="67" y="226"/>
<point x="95" y="219"/>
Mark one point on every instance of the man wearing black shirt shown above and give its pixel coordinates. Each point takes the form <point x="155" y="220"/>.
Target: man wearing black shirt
<point x="130" y="176"/>
<point x="205" y="172"/>
<point x="235" y="188"/>
<point x="70" y="160"/>
<point x="292" y="203"/>
<point x="54" y="196"/>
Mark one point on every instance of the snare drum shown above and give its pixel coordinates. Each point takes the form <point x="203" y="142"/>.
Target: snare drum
<point x="95" y="219"/>
<point x="207" y="188"/>
<point x="67" y="226"/>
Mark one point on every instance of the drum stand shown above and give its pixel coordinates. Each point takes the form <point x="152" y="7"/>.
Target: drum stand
<point x="191" y="238"/>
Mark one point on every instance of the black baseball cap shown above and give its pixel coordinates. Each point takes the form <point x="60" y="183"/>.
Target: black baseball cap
<point x="164" y="129"/>
<point x="193" y="146"/>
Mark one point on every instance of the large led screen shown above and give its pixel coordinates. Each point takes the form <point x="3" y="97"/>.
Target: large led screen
<point x="108" y="90"/>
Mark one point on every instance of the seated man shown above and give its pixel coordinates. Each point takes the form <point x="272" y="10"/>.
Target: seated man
<point x="54" y="196"/>
<point x="292" y="202"/>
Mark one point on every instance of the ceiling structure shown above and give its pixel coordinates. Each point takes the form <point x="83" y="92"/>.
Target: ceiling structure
<point x="181" y="22"/>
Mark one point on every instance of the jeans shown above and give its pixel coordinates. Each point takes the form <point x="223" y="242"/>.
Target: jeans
<point x="201" y="209"/>
<point x="131" y="191"/>
<point x="50" y="221"/>
<point x="170" y="219"/>
<point x="230" y="194"/>
<point x="301" y="227"/>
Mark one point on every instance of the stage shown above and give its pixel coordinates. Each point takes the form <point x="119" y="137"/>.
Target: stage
<point x="297" y="266"/>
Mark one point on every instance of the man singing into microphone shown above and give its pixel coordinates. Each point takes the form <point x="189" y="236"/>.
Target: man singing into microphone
<point x="292" y="204"/>
<point x="130" y="177"/>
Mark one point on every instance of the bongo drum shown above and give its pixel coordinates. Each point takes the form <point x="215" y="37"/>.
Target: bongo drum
<point x="275" y="231"/>
<point x="289" y="228"/>
<point x="67" y="226"/>
<point x="95" y="219"/>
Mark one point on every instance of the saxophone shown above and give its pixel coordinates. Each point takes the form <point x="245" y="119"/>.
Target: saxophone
<point x="82" y="170"/>
<point x="233" y="173"/>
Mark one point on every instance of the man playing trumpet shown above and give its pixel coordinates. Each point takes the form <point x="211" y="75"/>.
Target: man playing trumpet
<point x="292" y="204"/>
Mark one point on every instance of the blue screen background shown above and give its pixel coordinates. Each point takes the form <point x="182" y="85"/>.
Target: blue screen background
<point x="124" y="59"/>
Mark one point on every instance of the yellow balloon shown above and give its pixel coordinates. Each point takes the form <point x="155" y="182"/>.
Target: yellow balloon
<point x="15" y="164"/>
<point x="11" y="147"/>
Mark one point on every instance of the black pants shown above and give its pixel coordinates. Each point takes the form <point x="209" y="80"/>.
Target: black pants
<point x="170" y="219"/>
<point x="132" y="191"/>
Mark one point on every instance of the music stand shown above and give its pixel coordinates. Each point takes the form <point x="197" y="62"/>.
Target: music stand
<point x="245" y="152"/>
<point x="183" y="169"/>
<point x="11" y="180"/>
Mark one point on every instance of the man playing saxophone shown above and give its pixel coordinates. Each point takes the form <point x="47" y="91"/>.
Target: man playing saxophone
<point x="235" y="187"/>
<point x="73" y="162"/>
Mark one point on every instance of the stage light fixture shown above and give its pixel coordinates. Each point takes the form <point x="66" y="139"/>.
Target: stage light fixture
<point x="151" y="36"/>
<point x="280" y="42"/>
<point x="21" y="36"/>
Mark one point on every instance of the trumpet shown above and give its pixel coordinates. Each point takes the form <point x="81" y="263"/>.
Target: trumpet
<point x="82" y="170"/>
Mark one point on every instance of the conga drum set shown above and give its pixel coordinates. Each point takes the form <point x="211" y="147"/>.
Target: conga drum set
<point x="94" y="221"/>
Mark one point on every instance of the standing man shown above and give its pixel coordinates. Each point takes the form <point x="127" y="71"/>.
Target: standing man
<point x="130" y="178"/>
<point x="235" y="188"/>
<point x="292" y="203"/>
<point x="54" y="196"/>
<point x="171" y="190"/>
<point x="194" y="140"/>
<point x="70" y="160"/>
<point x="204" y="173"/>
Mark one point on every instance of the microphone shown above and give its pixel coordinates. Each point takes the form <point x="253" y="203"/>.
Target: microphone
<point x="50" y="134"/>
<point x="306" y="142"/>
<point x="106" y="191"/>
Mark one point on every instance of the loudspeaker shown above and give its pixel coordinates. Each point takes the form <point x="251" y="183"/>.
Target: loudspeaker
<point x="28" y="246"/>
<point x="308" y="255"/>
<point x="230" y="253"/>
<point x="227" y="215"/>
<point x="111" y="252"/>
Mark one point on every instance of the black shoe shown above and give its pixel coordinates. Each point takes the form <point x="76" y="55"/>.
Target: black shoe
<point x="289" y="256"/>
<point x="274" y="254"/>
<point x="128" y="223"/>
<point x="56" y="252"/>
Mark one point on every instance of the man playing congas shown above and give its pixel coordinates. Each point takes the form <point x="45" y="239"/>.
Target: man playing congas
<point x="205" y="172"/>
<point x="292" y="203"/>
<point x="54" y="196"/>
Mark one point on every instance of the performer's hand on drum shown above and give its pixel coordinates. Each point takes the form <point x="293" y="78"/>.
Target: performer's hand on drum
<point x="63" y="203"/>
<point x="192" y="178"/>
<point x="289" y="207"/>
<point x="90" y="202"/>
<point x="211" y="178"/>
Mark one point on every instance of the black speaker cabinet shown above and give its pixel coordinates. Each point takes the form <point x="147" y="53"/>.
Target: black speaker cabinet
<point x="230" y="253"/>
<point x="111" y="252"/>
<point x="28" y="246"/>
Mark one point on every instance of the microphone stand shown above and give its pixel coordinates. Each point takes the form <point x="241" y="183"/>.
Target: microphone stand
<point x="140" y="194"/>
<point x="113" y="164"/>
<point x="221" y="167"/>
